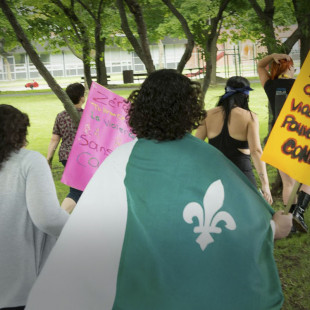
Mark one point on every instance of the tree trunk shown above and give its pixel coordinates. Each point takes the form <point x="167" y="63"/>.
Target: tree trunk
<point x="22" y="38"/>
<point x="266" y="17"/>
<point x="136" y="10"/>
<point x="290" y="41"/>
<point x="302" y="15"/>
<point x="127" y="31"/>
<point x="86" y="66"/>
<point x="141" y="48"/>
<point x="99" y="42"/>
<point x="209" y="48"/>
<point x="100" y="61"/>
<point x="82" y="35"/>
<point x="304" y="47"/>
<point x="266" y="20"/>
<point x="190" y="38"/>
<point x="207" y="77"/>
<point x="213" y="60"/>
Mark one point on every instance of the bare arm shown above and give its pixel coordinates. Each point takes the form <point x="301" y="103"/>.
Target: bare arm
<point x="201" y="132"/>
<point x="263" y="73"/>
<point x="256" y="153"/>
<point x="52" y="148"/>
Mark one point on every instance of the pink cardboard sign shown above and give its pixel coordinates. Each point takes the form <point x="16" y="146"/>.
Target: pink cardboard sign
<point x="101" y="130"/>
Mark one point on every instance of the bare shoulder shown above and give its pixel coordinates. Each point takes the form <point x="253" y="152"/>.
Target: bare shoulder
<point x="243" y="114"/>
<point x="214" y="111"/>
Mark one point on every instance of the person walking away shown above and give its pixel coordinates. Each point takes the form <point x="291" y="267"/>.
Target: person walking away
<point x="30" y="215"/>
<point x="277" y="84"/>
<point x="64" y="130"/>
<point x="233" y="128"/>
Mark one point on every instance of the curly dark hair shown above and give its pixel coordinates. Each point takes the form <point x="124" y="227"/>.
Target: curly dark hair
<point x="166" y="107"/>
<point x="75" y="91"/>
<point x="13" y="131"/>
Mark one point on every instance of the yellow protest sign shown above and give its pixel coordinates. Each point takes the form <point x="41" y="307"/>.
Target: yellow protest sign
<point x="288" y="146"/>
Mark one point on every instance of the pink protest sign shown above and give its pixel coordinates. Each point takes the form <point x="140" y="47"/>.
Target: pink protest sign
<point x="101" y="130"/>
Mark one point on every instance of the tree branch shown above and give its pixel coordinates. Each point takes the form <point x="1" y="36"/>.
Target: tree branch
<point x="73" y="51"/>
<point x="291" y="40"/>
<point x="190" y="37"/>
<point x="126" y="28"/>
<point x="87" y="9"/>
<point x="85" y="39"/>
<point x="257" y="9"/>
<point x="136" y="10"/>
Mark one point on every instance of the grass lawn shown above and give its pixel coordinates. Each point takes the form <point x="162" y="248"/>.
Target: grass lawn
<point x="292" y="254"/>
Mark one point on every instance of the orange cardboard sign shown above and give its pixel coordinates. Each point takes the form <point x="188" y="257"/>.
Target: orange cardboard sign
<point x="288" y="146"/>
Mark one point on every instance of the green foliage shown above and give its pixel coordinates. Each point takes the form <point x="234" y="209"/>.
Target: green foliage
<point x="156" y="15"/>
<point x="8" y="40"/>
<point x="47" y="24"/>
<point x="284" y="13"/>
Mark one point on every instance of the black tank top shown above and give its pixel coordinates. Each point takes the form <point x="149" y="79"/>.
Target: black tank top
<point x="229" y="147"/>
<point x="226" y="144"/>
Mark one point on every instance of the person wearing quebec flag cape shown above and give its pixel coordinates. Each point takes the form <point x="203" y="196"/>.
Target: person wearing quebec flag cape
<point x="166" y="222"/>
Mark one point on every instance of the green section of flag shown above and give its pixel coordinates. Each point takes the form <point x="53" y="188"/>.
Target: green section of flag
<point x="162" y="265"/>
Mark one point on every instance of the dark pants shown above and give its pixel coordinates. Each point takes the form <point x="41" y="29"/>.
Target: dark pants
<point x="74" y="193"/>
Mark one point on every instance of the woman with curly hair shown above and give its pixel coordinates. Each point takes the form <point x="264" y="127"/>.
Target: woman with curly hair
<point x="140" y="235"/>
<point x="165" y="115"/>
<point x="30" y="216"/>
<point x="277" y="84"/>
<point x="232" y="128"/>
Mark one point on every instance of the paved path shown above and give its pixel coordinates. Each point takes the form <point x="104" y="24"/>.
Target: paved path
<point x="48" y="91"/>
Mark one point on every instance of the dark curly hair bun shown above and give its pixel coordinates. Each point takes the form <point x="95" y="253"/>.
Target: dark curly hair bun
<point x="13" y="131"/>
<point x="166" y="107"/>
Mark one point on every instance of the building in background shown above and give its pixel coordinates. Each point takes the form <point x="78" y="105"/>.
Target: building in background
<point x="233" y="59"/>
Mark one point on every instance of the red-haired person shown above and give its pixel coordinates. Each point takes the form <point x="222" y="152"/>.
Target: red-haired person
<point x="277" y="84"/>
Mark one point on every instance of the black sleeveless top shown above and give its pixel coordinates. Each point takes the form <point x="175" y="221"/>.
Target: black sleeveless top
<point x="277" y="91"/>
<point x="229" y="147"/>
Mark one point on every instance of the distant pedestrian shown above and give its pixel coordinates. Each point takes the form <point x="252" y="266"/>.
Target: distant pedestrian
<point x="64" y="130"/>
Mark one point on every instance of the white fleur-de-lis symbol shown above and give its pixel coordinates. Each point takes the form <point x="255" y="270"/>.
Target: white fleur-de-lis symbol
<point x="208" y="217"/>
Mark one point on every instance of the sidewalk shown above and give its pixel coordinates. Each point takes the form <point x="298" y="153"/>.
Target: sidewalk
<point x="19" y="85"/>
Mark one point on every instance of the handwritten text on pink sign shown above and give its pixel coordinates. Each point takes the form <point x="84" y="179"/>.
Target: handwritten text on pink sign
<point x="102" y="129"/>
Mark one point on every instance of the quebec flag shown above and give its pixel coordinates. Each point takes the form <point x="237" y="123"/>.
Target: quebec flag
<point x="164" y="226"/>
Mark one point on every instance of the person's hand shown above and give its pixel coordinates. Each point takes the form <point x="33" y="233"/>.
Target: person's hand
<point x="277" y="57"/>
<point x="283" y="223"/>
<point x="267" y="194"/>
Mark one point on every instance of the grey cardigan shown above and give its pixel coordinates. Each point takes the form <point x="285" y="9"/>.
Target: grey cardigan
<point x="30" y="221"/>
